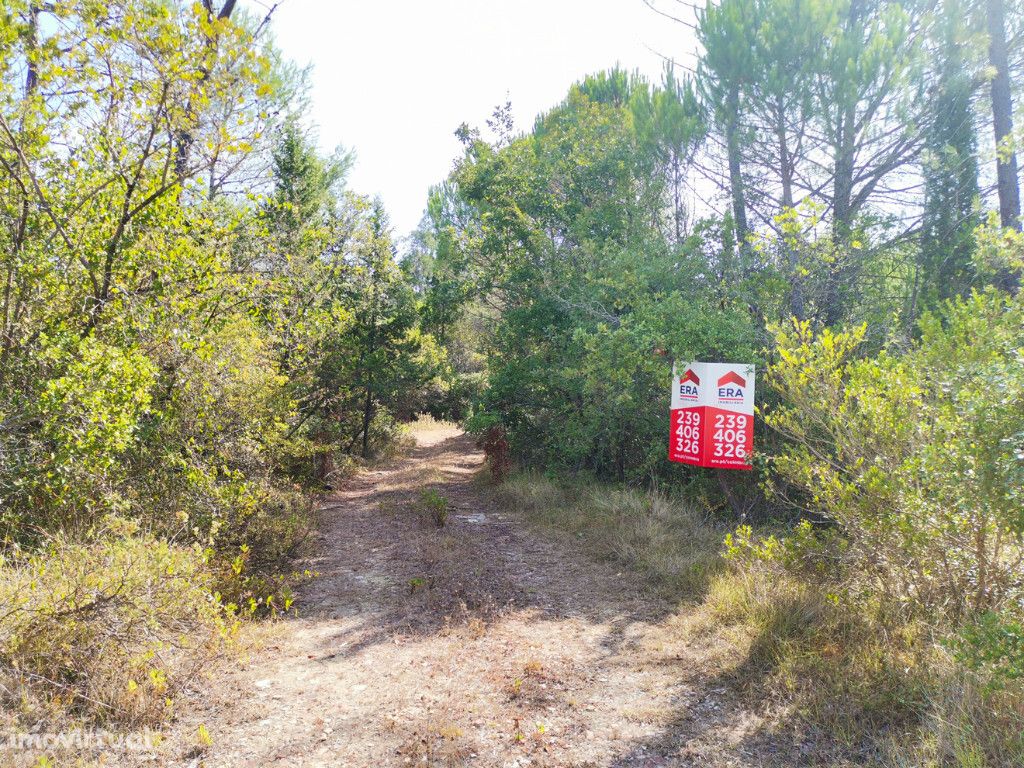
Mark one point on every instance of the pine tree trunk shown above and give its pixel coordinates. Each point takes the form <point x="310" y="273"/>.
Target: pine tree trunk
<point x="367" y="418"/>
<point x="786" y="171"/>
<point x="1002" y="115"/>
<point x="739" y="204"/>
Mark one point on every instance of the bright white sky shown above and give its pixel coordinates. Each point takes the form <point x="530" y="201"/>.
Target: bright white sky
<point x="393" y="79"/>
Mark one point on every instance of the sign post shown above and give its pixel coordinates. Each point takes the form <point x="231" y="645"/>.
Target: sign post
<point x="712" y="415"/>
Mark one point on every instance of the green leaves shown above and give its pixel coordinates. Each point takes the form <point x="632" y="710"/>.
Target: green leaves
<point x="917" y="455"/>
<point x="190" y="359"/>
<point x="574" y="240"/>
<point x="994" y="646"/>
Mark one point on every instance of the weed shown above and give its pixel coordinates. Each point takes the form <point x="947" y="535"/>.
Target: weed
<point x="203" y="737"/>
<point x="436" y="506"/>
<point x="449" y="732"/>
<point x="434" y="744"/>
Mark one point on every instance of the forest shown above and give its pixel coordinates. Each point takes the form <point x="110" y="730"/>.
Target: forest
<point x="205" y="332"/>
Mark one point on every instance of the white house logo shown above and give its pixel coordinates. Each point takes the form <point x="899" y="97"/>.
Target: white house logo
<point x="688" y="384"/>
<point x="730" y="388"/>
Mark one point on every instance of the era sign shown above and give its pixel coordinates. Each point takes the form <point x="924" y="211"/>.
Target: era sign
<point x="712" y="414"/>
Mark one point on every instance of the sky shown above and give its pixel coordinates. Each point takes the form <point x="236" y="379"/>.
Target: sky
<point x="393" y="79"/>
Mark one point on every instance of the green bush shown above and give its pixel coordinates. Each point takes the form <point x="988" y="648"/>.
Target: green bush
<point x="917" y="456"/>
<point x="805" y="548"/>
<point x="992" y="645"/>
<point x="436" y="506"/>
<point x="857" y="665"/>
<point x="88" y="413"/>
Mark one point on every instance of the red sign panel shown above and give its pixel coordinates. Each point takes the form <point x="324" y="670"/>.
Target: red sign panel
<point x="712" y="421"/>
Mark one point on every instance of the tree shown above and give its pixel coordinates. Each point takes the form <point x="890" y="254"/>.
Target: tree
<point x="1008" y="184"/>
<point x="171" y="351"/>
<point x="817" y="102"/>
<point x="723" y="31"/>
<point x="122" y="280"/>
<point x="950" y="171"/>
<point x="385" y="335"/>
<point x="571" y="237"/>
<point x="787" y="53"/>
<point x="679" y="132"/>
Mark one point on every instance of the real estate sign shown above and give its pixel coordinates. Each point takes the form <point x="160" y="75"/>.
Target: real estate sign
<point x="712" y="414"/>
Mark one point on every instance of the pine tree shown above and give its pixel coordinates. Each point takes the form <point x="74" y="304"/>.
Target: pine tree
<point x="950" y="172"/>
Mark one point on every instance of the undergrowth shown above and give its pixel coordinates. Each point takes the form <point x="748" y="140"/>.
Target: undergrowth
<point x="672" y="543"/>
<point x="887" y="684"/>
<point x="107" y="630"/>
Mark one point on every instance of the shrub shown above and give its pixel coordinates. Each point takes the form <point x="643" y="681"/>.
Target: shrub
<point x="436" y="506"/>
<point x="87" y="414"/>
<point x="805" y="549"/>
<point x="496" y="449"/>
<point x="109" y="628"/>
<point x="857" y="664"/>
<point x="993" y="645"/>
<point x="387" y="435"/>
<point x="919" y="456"/>
<point x="803" y="630"/>
<point x="252" y="557"/>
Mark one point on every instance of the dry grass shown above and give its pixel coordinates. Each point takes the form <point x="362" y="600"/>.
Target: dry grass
<point x="669" y="541"/>
<point x="108" y="634"/>
<point x="880" y="685"/>
<point x="424" y="422"/>
<point x="435" y="744"/>
<point x="106" y="631"/>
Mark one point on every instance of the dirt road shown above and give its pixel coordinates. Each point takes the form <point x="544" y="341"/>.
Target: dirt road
<point x="484" y="643"/>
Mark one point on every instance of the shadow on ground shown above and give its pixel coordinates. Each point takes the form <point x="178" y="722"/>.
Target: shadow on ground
<point x="477" y="634"/>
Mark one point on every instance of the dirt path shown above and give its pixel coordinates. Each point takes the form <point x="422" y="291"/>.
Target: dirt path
<point x="484" y="643"/>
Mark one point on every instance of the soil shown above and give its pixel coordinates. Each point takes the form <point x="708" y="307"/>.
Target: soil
<point x="486" y="642"/>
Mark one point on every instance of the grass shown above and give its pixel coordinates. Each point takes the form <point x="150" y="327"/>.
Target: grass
<point x="880" y="685"/>
<point x="435" y="505"/>
<point x="106" y="632"/>
<point x="873" y="676"/>
<point x="424" y="422"/>
<point x="670" y="542"/>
